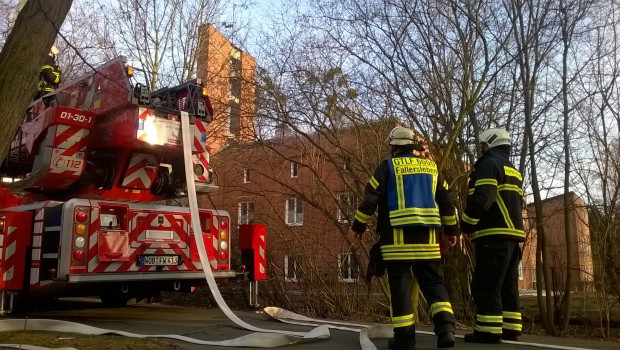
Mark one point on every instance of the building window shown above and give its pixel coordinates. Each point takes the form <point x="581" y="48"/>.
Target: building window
<point x="534" y="282"/>
<point x="520" y="271"/>
<point x="246" y="212"/>
<point x="294" y="170"/>
<point x="235" y="72"/>
<point x="292" y="267"/>
<point x="246" y="176"/>
<point x="584" y="245"/>
<point x="348" y="269"/>
<point x="234" y="94"/>
<point x="229" y="133"/>
<point x="346" y="163"/>
<point x="294" y="212"/>
<point x="347" y="204"/>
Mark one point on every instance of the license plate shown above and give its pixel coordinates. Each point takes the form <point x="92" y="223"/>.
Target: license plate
<point x="159" y="260"/>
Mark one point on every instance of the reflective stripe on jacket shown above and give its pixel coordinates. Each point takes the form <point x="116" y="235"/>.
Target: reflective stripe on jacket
<point x="410" y="206"/>
<point x="411" y="192"/>
<point x="495" y="198"/>
<point x="413" y="243"/>
<point x="49" y="77"/>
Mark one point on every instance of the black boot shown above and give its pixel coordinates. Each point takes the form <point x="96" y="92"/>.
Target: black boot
<point x="480" y="337"/>
<point x="404" y="339"/>
<point x="445" y="340"/>
<point x="509" y="334"/>
<point x="393" y="344"/>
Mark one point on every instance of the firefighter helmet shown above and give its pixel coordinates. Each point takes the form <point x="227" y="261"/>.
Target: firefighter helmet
<point x="400" y="136"/>
<point x="53" y="51"/>
<point x="495" y="137"/>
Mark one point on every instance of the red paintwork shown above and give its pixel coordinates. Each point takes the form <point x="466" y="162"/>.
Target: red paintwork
<point x="15" y="234"/>
<point x="87" y="150"/>
<point x="97" y="120"/>
<point x="254" y="237"/>
<point x="35" y="129"/>
<point x="117" y="250"/>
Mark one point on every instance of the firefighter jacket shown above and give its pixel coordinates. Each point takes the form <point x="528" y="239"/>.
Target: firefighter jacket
<point x="413" y="202"/>
<point x="495" y="198"/>
<point x="49" y="77"/>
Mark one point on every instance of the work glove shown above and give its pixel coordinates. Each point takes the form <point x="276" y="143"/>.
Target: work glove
<point x="358" y="227"/>
<point x="376" y="268"/>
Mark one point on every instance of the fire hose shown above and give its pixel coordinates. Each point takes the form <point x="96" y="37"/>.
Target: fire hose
<point x="260" y="338"/>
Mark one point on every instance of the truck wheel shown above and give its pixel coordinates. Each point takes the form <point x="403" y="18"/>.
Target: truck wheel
<point x="23" y="304"/>
<point x="114" y="299"/>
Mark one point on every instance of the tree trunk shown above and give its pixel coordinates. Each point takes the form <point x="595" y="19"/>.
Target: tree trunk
<point x="543" y="273"/>
<point x="564" y="312"/>
<point x="21" y="58"/>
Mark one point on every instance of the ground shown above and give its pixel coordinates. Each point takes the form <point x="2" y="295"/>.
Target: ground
<point x="83" y="342"/>
<point x="586" y="325"/>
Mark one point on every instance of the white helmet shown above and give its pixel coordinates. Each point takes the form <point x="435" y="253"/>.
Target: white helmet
<point x="495" y="137"/>
<point x="53" y="51"/>
<point x="401" y="136"/>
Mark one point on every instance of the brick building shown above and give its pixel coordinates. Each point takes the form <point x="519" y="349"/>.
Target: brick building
<point x="268" y="182"/>
<point x="305" y="192"/>
<point x="229" y="76"/>
<point x="553" y="220"/>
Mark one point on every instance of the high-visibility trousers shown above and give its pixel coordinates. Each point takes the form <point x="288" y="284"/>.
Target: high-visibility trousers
<point x="400" y="278"/>
<point x="495" y="286"/>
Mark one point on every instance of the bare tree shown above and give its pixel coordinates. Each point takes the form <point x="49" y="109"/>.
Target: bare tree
<point x="601" y="119"/>
<point x="192" y="15"/>
<point x="86" y="40"/>
<point x="571" y="14"/>
<point x="534" y="39"/>
<point x="8" y="13"/>
<point x="160" y="37"/>
<point x="22" y="55"/>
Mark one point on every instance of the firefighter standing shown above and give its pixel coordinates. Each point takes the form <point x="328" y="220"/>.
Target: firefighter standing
<point x="493" y="220"/>
<point x="50" y="75"/>
<point x="413" y="202"/>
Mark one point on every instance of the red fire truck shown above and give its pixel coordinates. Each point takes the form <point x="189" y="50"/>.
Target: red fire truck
<point x="79" y="212"/>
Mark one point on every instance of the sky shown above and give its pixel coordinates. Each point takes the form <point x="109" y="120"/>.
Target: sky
<point x="251" y="17"/>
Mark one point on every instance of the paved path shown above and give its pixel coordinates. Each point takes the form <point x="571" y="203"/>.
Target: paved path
<point x="212" y="324"/>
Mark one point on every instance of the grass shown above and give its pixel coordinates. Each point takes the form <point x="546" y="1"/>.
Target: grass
<point x="82" y="342"/>
<point x="585" y="321"/>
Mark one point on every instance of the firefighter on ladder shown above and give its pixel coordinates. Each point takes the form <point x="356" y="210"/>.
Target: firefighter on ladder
<point x="50" y="75"/>
<point x="493" y="219"/>
<point x="413" y="202"/>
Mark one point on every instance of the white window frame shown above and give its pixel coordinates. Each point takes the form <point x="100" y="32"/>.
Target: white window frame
<point x="520" y="268"/>
<point x="291" y="276"/>
<point x="248" y="216"/>
<point x="298" y="210"/>
<point x="246" y="176"/>
<point x="294" y="170"/>
<point x="350" y="202"/>
<point x="583" y="245"/>
<point x="345" y="163"/>
<point x="348" y="259"/>
<point x="228" y="117"/>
